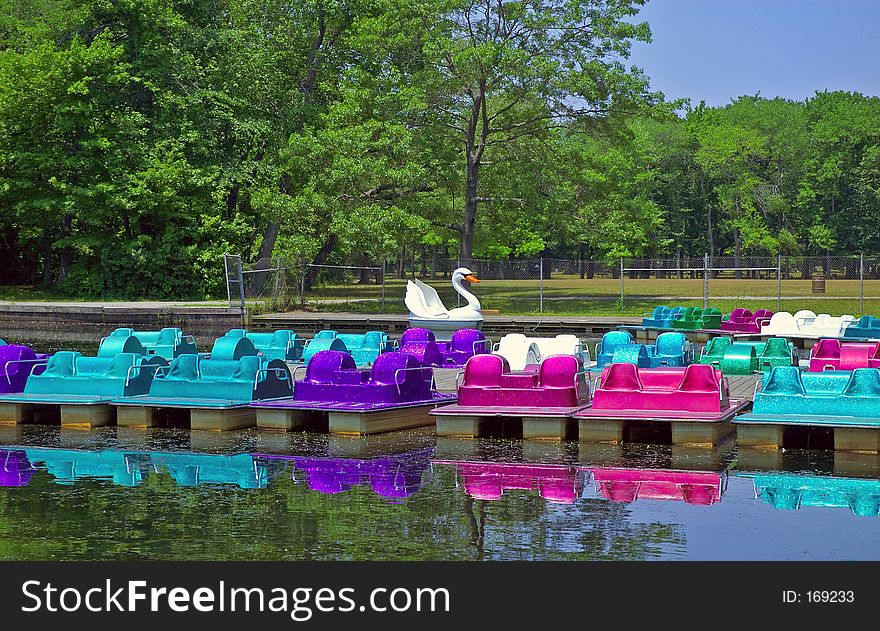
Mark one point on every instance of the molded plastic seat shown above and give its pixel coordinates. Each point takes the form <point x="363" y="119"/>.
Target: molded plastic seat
<point x="558" y="382"/>
<point x="865" y="327"/>
<point x="17" y="363"/>
<point x="465" y="343"/>
<point x="695" y="388"/>
<point x="395" y="377"/>
<point x="524" y="353"/>
<point x="832" y="354"/>
<point x="169" y="342"/>
<point x="364" y="347"/>
<point x="71" y="373"/>
<point x="282" y="344"/>
<point x="671" y="349"/>
<point x="237" y="381"/>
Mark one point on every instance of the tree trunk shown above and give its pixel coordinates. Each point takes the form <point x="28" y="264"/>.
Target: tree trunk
<point x="470" y="209"/>
<point x="65" y="257"/>
<point x="365" y="274"/>
<point x="47" y="258"/>
<point x="320" y="258"/>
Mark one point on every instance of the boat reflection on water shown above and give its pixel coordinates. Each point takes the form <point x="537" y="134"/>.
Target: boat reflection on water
<point x="788" y="491"/>
<point x="15" y="468"/>
<point x="130" y="468"/>
<point x="702" y="488"/>
<point x="489" y="480"/>
<point x="393" y="477"/>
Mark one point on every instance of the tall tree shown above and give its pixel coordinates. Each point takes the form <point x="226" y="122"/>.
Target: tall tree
<point x="499" y="72"/>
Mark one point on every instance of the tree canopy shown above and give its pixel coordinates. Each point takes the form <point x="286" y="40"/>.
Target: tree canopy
<point x="140" y="140"/>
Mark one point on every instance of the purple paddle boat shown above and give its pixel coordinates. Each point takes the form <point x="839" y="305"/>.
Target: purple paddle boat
<point x="394" y="477"/>
<point x="465" y="343"/>
<point x="395" y="393"/>
<point x="17" y="363"/>
<point x="15" y="468"/>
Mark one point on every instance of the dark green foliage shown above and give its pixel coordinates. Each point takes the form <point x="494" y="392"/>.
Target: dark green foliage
<point x="140" y="140"/>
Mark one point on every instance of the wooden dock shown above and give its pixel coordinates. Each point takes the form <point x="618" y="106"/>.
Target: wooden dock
<point x="396" y="323"/>
<point x="69" y="416"/>
<point x="344" y="422"/>
<point x="214" y="419"/>
<point x="525" y="427"/>
<point x="770" y="436"/>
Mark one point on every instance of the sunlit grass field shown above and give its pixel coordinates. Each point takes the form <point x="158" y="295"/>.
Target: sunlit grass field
<point x="571" y="295"/>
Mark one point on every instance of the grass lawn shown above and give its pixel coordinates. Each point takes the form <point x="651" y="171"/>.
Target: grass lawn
<point x="570" y="295"/>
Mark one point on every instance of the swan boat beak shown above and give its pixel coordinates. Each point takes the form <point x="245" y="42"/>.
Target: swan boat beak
<point x="472" y="278"/>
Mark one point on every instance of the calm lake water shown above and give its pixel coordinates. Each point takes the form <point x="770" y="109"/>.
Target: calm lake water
<point x="174" y="494"/>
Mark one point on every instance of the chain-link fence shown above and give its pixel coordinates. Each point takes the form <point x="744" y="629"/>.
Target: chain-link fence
<point x="832" y="284"/>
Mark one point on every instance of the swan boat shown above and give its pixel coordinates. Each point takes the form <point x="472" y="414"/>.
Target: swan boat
<point x="427" y="311"/>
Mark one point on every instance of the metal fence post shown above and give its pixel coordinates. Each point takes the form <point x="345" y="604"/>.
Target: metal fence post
<point x="621" y="285"/>
<point x="302" y="286"/>
<point x="458" y="295"/>
<point x="383" y="283"/>
<point x="541" y="284"/>
<point x="705" y="280"/>
<point x="861" y="283"/>
<point x="779" y="282"/>
<point x="277" y="280"/>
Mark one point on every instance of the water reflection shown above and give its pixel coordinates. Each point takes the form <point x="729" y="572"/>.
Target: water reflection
<point x="16" y="469"/>
<point x="126" y="468"/>
<point x="790" y="492"/>
<point x="394" y="477"/>
<point x="488" y="481"/>
<point x="113" y="493"/>
<point x="702" y="488"/>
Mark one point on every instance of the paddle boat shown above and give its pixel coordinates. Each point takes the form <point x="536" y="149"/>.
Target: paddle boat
<point x="744" y="358"/>
<point x="866" y="328"/>
<point x="543" y="400"/>
<point x="81" y="388"/>
<point x="788" y="491"/>
<point x="701" y="488"/>
<point x="363" y="347"/>
<point x="847" y="401"/>
<point x="396" y="393"/>
<point x="694" y="318"/>
<point x="806" y="324"/>
<point x="559" y="484"/>
<point x="670" y="349"/>
<point x="17" y="363"/>
<point x="393" y="477"/>
<point x="167" y="343"/>
<point x="465" y="343"/>
<point x="661" y="317"/>
<point x="15" y="468"/>
<point x="281" y="344"/>
<point x="214" y="392"/>
<point x="525" y="353"/>
<point x="323" y="341"/>
<point x="426" y="310"/>
<point x="832" y="354"/>
<point x="694" y="400"/>
<point x="744" y="321"/>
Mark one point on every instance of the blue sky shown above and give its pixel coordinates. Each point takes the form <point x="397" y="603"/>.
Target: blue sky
<point x="717" y="50"/>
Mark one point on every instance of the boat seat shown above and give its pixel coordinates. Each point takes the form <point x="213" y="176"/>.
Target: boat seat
<point x="699" y="378"/>
<point x="784" y="380"/>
